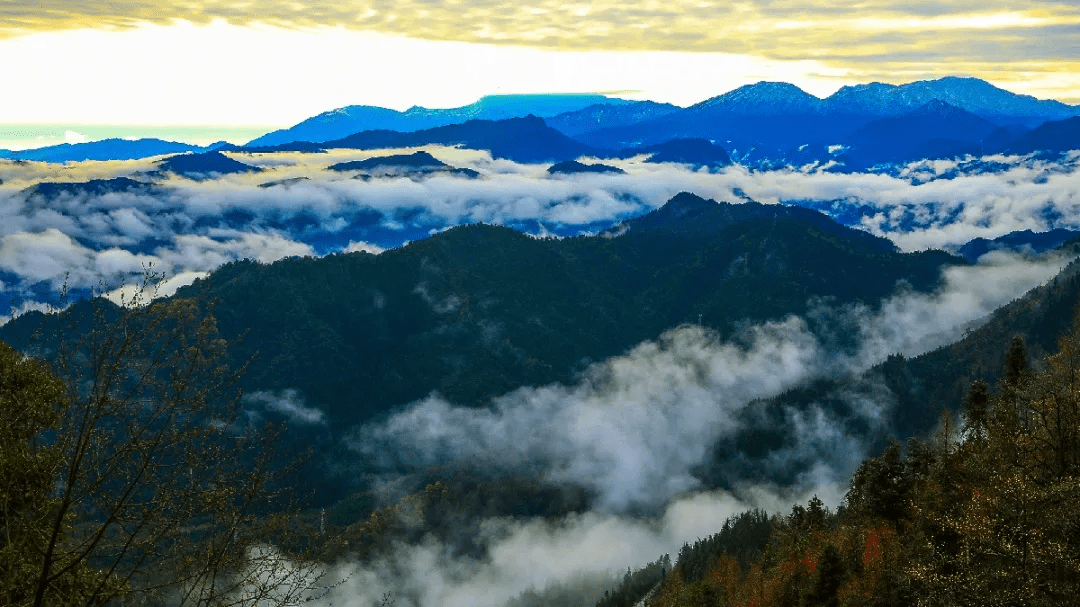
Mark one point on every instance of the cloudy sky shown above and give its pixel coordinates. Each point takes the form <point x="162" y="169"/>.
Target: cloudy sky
<point x="259" y="65"/>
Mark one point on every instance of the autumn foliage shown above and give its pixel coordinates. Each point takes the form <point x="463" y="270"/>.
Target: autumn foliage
<point x="983" y="513"/>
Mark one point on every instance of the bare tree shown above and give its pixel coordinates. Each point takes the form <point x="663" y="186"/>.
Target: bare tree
<point x="162" y="491"/>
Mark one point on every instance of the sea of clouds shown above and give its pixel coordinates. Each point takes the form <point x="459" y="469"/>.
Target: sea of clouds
<point x="634" y="429"/>
<point x="184" y="228"/>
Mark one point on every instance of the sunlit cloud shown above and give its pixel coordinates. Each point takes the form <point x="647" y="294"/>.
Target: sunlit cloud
<point x="278" y="62"/>
<point x="755" y="27"/>
<point x="268" y="75"/>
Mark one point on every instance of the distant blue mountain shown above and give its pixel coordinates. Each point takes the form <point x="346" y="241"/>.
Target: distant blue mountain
<point x="1024" y="241"/>
<point x="204" y="165"/>
<point x="95" y="187"/>
<point x="781" y="116"/>
<point x="935" y="130"/>
<point x="417" y="164"/>
<point x="763" y="99"/>
<point x="106" y="149"/>
<point x="971" y="94"/>
<point x="695" y="152"/>
<point x="765" y="122"/>
<point x="607" y="115"/>
<point x="573" y="166"/>
<point x="526" y="139"/>
<point x="1056" y="136"/>
<point x="773" y="114"/>
<point x="346" y="121"/>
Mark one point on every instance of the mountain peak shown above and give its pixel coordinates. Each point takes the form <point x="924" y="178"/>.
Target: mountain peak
<point x="687" y="203"/>
<point x="202" y="165"/>
<point x="764" y="97"/>
<point x="970" y="94"/>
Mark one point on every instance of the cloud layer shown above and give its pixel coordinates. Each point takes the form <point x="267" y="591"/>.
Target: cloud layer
<point x="831" y="28"/>
<point x="184" y="228"/>
<point x="633" y="430"/>
<point x="587" y="553"/>
<point x="637" y="427"/>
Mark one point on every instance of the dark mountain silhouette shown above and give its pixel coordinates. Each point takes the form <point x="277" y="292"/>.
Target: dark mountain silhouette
<point x="573" y="166"/>
<point x="204" y="165"/>
<point x="1057" y="136"/>
<point x="691" y="216"/>
<point x="936" y="130"/>
<point x="416" y="164"/>
<point x="477" y="311"/>
<point x="695" y="152"/>
<point x="95" y="187"/>
<point x="106" y="149"/>
<point x="1024" y="241"/>
<point x="284" y="182"/>
<point x="1003" y="137"/>
<point x="416" y="160"/>
<point x="525" y="139"/>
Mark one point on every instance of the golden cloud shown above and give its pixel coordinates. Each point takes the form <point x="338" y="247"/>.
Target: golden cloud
<point x="773" y="28"/>
<point x="867" y="39"/>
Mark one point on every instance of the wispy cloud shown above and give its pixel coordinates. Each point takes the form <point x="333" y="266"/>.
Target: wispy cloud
<point x="586" y="552"/>
<point x="288" y="403"/>
<point x="633" y="430"/>
<point x="637" y="427"/>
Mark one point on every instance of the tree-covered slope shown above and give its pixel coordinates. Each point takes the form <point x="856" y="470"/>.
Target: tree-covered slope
<point x="921" y="387"/>
<point x="480" y="310"/>
<point x="981" y="514"/>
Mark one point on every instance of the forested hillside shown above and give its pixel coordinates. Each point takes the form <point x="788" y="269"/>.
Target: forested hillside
<point x="927" y="384"/>
<point x="480" y="310"/>
<point x="982" y="513"/>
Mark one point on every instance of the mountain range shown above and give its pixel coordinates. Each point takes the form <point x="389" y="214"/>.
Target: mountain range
<point x="106" y="149"/>
<point x="768" y="123"/>
<point x="345" y="121"/>
<point x="772" y="113"/>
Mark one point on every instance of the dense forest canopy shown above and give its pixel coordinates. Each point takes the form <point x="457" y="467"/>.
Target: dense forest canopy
<point x="982" y="513"/>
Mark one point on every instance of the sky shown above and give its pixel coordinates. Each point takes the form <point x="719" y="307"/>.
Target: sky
<point x="215" y="70"/>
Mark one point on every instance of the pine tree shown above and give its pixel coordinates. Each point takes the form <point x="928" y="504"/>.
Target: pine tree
<point x="829" y="578"/>
<point x="977" y="411"/>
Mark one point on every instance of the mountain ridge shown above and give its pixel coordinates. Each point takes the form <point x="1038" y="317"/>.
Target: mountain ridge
<point x="344" y="121"/>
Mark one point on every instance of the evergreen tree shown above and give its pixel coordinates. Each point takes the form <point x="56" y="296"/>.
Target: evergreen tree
<point x="881" y="487"/>
<point x="829" y="578"/>
<point x="977" y="410"/>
